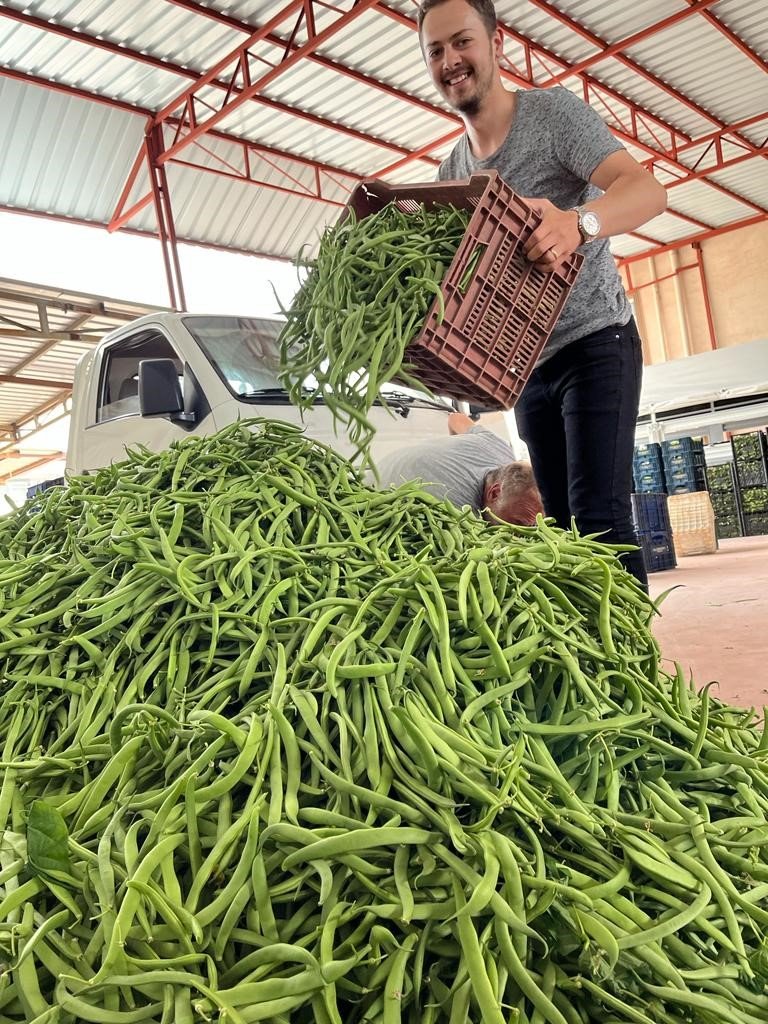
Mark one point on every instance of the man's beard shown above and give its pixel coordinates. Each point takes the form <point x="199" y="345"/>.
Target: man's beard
<point x="470" y="106"/>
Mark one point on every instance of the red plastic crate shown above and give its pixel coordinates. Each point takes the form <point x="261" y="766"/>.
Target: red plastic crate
<point x="493" y="329"/>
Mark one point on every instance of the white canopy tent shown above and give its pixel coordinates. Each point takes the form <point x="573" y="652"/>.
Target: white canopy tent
<point x="726" y="389"/>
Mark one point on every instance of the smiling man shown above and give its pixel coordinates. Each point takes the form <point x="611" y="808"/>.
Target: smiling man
<point x="578" y="411"/>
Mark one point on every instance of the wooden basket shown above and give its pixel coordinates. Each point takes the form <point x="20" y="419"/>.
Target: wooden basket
<point x="692" y="519"/>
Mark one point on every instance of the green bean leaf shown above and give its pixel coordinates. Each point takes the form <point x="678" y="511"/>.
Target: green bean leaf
<point x="47" y="837"/>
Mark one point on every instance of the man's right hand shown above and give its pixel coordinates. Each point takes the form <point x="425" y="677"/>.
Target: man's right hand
<point x="459" y="423"/>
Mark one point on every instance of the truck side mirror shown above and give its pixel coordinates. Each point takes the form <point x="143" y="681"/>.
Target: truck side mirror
<point x="159" y="389"/>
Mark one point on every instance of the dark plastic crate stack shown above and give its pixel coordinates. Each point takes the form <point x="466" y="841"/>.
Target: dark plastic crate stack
<point x="496" y="322"/>
<point x="658" y="551"/>
<point x="650" y="513"/>
<point x="684" y="465"/>
<point x="725" y="498"/>
<point x="649" y="480"/>
<point x="750" y="457"/>
<point x="755" y="524"/>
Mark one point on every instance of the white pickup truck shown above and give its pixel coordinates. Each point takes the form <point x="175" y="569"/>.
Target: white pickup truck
<point x="168" y="375"/>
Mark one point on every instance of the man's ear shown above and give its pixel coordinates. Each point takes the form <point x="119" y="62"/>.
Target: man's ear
<point x="492" y="492"/>
<point x="498" y="44"/>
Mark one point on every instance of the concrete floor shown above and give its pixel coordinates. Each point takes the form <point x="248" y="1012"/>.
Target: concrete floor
<point x="716" y="622"/>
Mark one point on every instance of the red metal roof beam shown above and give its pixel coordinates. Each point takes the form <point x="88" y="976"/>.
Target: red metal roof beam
<point x="210" y="76"/>
<point x="310" y="46"/>
<point x="189" y="73"/>
<point x="624" y="44"/>
<point x="330" y="65"/>
<point x="730" y="35"/>
<point x="681" y="243"/>
<point x="622" y="58"/>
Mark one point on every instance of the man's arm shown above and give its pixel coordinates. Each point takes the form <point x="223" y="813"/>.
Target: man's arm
<point x="459" y="423"/>
<point x="631" y="197"/>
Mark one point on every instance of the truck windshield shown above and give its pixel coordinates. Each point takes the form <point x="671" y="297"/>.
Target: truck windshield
<point x="243" y="350"/>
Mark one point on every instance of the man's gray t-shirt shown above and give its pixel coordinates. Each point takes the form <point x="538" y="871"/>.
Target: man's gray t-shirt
<point x="555" y="143"/>
<point x="453" y="468"/>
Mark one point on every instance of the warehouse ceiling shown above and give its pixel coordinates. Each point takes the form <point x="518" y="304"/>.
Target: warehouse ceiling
<point x="254" y="120"/>
<point x="244" y="125"/>
<point x="43" y="334"/>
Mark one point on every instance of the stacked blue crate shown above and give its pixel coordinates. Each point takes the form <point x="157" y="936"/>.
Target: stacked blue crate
<point x="654" y="532"/>
<point x="650" y="513"/>
<point x="684" y="465"/>
<point x="648" y="468"/>
<point x="658" y="551"/>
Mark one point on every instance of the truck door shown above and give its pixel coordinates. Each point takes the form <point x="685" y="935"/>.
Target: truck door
<point x="116" y="419"/>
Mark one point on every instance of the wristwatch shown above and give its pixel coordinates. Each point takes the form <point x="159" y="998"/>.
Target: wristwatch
<point x="589" y="224"/>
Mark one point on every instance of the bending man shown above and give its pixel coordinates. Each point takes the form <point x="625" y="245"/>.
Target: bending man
<point x="471" y="467"/>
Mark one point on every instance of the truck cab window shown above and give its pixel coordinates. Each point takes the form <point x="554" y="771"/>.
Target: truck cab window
<point x="119" y="385"/>
<point x="244" y="351"/>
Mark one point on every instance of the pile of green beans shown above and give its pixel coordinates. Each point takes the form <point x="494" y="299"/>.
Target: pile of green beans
<point x="279" y="747"/>
<point x="364" y="299"/>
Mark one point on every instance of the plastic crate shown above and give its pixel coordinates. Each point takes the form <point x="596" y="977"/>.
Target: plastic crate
<point x="647" y="464"/>
<point x="754" y="500"/>
<point x="749" y="447"/>
<point x="649" y="512"/>
<point x="755" y="524"/>
<point x="684" y="460"/>
<point x="682" y="446"/>
<point x="724" y="504"/>
<point x="693" y="523"/>
<point x="499" y="309"/>
<point x="653" y="449"/>
<point x="727" y="527"/>
<point x="46" y="485"/>
<point x="647" y="457"/>
<point x="650" y="481"/>
<point x="658" y="550"/>
<point x="752" y="474"/>
<point x="721" y="479"/>
<point x="684" y="480"/>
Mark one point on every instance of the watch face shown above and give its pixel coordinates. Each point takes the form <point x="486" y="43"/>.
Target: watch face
<point x="591" y="223"/>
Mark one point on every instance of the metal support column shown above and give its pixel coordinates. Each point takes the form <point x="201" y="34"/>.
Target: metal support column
<point x="705" y="293"/>
<point x="165" y="227"/>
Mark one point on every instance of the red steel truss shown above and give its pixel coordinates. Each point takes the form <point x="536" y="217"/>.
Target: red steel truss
<point x="179" y="130"/>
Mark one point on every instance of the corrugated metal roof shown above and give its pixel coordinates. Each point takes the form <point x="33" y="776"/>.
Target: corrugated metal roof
<point x="707" y="204"/>
<point x="76" y="159"/>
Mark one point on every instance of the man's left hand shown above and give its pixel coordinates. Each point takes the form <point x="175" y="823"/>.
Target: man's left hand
<point x="555" y="238"/>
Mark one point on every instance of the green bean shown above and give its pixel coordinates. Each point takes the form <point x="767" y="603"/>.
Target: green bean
<point x="286" y="718"/>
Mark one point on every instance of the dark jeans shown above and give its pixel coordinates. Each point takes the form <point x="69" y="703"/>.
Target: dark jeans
<point x="577" y="415"/>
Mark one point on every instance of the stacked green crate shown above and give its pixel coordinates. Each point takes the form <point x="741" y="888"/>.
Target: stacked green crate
<point x="721" y="482"/>
<point x="750" y="457"/>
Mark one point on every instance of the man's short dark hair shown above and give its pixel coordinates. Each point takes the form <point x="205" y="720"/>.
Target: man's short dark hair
<point x="484" y="8"/>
